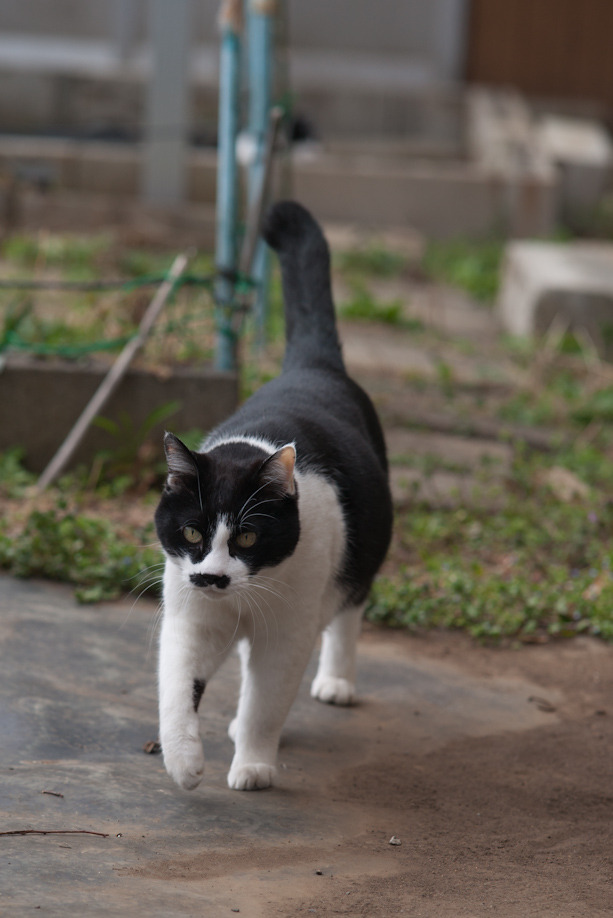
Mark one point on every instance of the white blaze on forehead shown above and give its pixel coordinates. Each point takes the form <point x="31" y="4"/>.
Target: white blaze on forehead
<point x="218" y="559"/>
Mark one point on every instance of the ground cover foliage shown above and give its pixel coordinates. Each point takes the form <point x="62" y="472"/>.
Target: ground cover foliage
<point x="535" y="564"/>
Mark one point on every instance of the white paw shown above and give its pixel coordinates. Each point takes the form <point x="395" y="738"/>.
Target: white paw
<point x="251" y="777"/>
<point x="332" y="691"/>
<point x="185" y="762"/>
<point x="232" y="730"/>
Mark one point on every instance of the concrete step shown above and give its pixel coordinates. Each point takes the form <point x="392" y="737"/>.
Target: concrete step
<point x="446" y="470"/>
<point x="548" y="285"/>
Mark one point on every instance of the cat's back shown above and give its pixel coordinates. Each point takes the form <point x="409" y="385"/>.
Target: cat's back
<point x="315" y="405"/>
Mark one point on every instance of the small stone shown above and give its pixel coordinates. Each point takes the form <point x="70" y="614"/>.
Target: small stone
<point x="394" y="841"/>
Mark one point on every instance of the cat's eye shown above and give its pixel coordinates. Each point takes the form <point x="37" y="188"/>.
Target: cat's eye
<point x="192" y="535"/>
<point x="246" y="539"/>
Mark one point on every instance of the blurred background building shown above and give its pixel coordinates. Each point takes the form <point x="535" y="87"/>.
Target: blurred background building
<point x="380" y="90"/>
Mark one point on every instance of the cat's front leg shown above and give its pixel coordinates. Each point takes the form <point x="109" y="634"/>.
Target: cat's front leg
<point x="270" y="681"/>
<point x="194" y="641"/>
<point x="181" y="684"/>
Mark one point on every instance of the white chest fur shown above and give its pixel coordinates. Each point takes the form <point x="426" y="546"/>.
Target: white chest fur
<point x="277" y="613"/>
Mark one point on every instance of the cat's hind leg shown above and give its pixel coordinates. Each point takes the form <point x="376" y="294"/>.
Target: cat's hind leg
<point x="335" y="679"/>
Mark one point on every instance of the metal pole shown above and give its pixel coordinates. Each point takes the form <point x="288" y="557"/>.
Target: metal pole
<point x="227" y="182"/>
<point x="260" y="22"/>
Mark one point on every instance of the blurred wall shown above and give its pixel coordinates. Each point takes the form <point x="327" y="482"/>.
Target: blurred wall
<point x="547" y="48"/>
<point x="373" y="26"/>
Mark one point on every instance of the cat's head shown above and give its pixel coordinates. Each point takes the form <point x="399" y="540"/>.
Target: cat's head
<point x="227" y="513"/>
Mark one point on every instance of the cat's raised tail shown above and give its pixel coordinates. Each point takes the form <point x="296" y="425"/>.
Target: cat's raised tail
<point x="310" y="323"/>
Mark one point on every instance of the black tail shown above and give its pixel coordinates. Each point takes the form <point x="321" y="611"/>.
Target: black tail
<point x="310" y="324"/>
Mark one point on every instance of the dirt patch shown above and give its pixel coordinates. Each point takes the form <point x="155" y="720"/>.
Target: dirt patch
<point x="516" y="822"/>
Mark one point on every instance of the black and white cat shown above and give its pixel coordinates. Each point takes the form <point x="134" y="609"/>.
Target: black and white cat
<point x="273" y="532"/>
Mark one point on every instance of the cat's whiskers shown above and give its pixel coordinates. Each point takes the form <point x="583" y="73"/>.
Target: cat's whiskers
<point x="229" y="644"/>
<point x="264" y="613"/>
<point x="261" y="584"/>
<point x="146" y="586"/>
<point x="156" y="576"/>
<point x="249" y="516"/>
<point x="249" y="511"/>
<point x="249" y="599"/>
<point x="250" y="498"/>
<point x="154" y="626"/>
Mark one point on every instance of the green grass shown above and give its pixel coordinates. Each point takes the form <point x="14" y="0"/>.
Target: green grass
<point x="374" y="260"/>
<point x="471" y="266"/>
<point x="365" y="307"/>
<point x="71" y="323"/>
<point x="79" y="257"/>
<point x="53" y="536"/>
<point x="535" y="568"/>
<point x="81" y="549"/>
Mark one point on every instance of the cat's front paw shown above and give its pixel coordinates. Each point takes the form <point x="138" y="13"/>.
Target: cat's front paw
<point x="184" y="762"/>
<point x="251" y="777"/>
<point x="331" y="690"/>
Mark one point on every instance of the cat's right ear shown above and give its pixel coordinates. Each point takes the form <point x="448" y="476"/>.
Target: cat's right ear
<point x="181" y="463"/>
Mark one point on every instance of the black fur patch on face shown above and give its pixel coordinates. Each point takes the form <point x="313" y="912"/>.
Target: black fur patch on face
<point x="232" y="484"/>
<point x="198" y="692"/>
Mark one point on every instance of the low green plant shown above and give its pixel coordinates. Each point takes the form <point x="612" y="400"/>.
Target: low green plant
<point x="363" y="306"/>
<point x="78" y="256"/>
<point x="83" y="550"/>
<point x="131" y="462"/>
<point x="375" y="260"/>
<point x="492" y="607"/>
<point x="14" y="478"/>
<point x="472" y="266"/>
<point x="537" y="566"/>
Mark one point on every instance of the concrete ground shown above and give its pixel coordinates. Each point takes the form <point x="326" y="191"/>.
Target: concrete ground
<point x="463" y="754"/>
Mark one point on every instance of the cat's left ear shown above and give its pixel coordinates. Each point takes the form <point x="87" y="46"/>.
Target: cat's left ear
<point x="279" y="469"/>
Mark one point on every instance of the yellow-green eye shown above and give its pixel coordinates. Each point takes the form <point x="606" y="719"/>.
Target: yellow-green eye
<point x="246" y="539"/>
<point x="192" y="535"/>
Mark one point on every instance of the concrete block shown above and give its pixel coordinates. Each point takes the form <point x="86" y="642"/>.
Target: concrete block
<point x="41" y="400"/>
<point x="544" y="281"/>
<point x="582" y="153"/>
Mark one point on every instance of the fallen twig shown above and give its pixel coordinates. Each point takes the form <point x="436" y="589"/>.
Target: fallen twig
<point x="55" y="832"/>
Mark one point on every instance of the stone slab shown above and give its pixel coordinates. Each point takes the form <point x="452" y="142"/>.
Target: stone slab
<point x="40" y="401"/>
<point x="582" y="153"/>
<point x="542" y="282"/>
